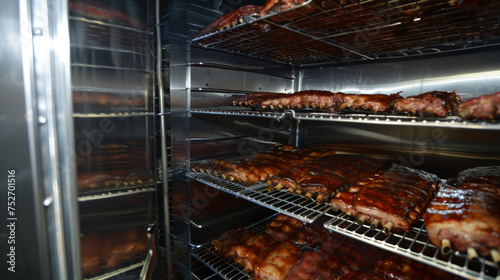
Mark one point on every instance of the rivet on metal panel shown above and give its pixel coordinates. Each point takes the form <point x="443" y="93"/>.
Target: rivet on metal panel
<point x="37" y="31"/>
<point x="47" y="201"/>
<point x="42" y="120"/>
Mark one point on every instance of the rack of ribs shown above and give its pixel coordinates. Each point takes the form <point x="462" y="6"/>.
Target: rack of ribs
<point x="284" y="227"/>
<point x="324" y="176"/>
<point x="260" y="167"/>
<point x="276" y="262"/>
<point x="465" y="214"/>
<point x="368" y="102"/>
<point x="242" y="246"/>
<point x="394" y="199"/>
<point x="432" y="103"/>
<point x="321" y="265"/>
<point x="482" y="107"/>
<point x="318" y="99"/>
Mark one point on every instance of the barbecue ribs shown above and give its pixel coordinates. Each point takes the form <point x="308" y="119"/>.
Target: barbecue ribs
<point x="433" y="103"/>
<point x="284" y="228"/>
<point x="467" y="215"/>
<point x="395" y="199"/>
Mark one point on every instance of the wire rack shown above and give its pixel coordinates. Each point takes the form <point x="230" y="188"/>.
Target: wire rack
<point x="226" y="269"/>
<point x="414" y="244"/>
<point x="299" y="207"/>
<point x="357" y="117"/>
<point x="328" y="31"/>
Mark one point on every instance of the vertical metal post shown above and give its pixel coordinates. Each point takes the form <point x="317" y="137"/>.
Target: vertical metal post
<point x="163" y="137"/>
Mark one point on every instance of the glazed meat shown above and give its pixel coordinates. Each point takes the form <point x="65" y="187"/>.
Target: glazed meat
<point x="276" y="262"/>
<point x="242" y="246"/>
<point x="433" y="103"/>
<point x="483" y="107"/>
<point x="395" y="199"/>
<point x="376" y="102"/>
<point x="324" y="176"/>
<point x="468" y="218"/>
<point x="262" y="166"/>
<point x="315" y="265"/>
<point x="399" y="267"/>
<point x="284" y="228"/>
<point x="229" y="20"/>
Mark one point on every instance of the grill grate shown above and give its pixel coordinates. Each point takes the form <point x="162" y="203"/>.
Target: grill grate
<point x="357" y="117"/>
<point x="223" y="267"/>
<point x="299" y="207"/>
<point x="414" y="244"/>
<point x="329" y="32"/>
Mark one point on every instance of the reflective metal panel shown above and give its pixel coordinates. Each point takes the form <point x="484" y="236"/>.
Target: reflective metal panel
<point x="469" y="73"/>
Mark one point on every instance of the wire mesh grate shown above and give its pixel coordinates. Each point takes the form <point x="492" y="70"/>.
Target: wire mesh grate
<point x="299" y="207"/>
<point x="360" y="117"/>
<point x="331" y="32"/>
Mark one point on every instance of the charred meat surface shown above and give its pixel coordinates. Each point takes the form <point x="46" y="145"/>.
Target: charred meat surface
<point x="483" y="107"/>
<point x="395" y="199"/>
<point x="482" y="178"/>
<point x="433" y="103"/>
<point x="229" y="20"/>
<point x="468" y="218"/>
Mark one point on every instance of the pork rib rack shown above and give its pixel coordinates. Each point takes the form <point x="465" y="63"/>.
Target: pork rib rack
<point x="262" y="166"/>
<point x="317" y="99"/>
<point x="284" y="227"/>
<point x="395" y="199"/>
<point x="433" y="103"/>
<point x="323" y="177"/>
<point x="465" y="214"/>
<point x="242" y="246"/>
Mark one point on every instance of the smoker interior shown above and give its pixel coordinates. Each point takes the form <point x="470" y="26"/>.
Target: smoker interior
<point x="443" y="48"/>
